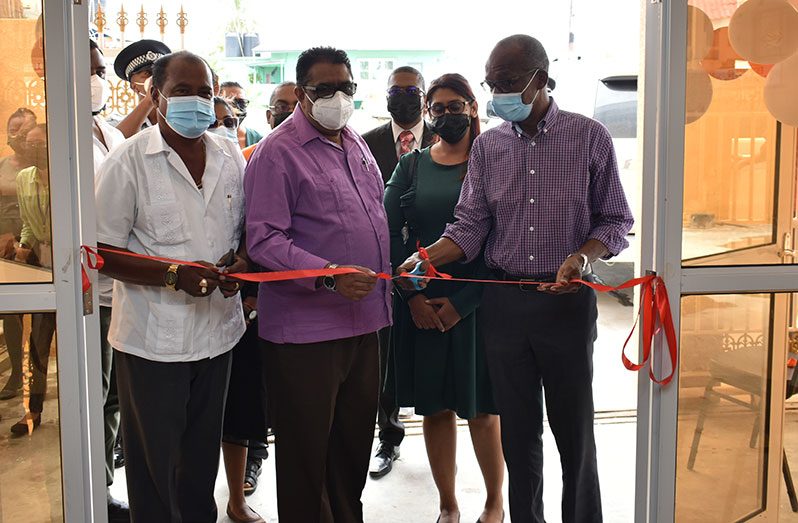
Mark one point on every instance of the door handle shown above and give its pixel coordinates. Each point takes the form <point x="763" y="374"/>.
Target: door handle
<point x="786" y="247"/>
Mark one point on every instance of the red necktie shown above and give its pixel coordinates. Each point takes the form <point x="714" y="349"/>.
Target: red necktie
<point x="405" y="139"/>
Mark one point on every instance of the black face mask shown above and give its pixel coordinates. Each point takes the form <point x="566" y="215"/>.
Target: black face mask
<point x="451" y="127"/>
<point x="404" y="108"/>
<point x="279" y="118"/>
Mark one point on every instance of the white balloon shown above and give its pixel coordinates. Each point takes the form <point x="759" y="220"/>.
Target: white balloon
<point x="699" y="33"/>
<point x="764" y="31"/>
<point x="781" y="91"/>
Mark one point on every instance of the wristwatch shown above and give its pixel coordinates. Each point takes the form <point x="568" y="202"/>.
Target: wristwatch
<point x="329" y="281"/>
<point x="170" y="278"/>
<point x="585" y="260"/>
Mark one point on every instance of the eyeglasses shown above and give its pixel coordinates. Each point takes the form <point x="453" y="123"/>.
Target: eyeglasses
<point x="411" y="90"/>
<point x="282" y="107"/>
<point x="241" y="103"/>
<point x="329" y="90"/>
<point x="454" y="107"/>
<point x="228" y="121"/>
<point x="504" y="86"/>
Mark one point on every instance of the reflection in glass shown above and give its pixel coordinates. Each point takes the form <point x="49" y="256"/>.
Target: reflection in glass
<point x="24" y="185"/>
<point x="30" y="453"/>
<point x="738" y="192"/>
<point x="790" y="426"/>
<point x="723" y="390"/>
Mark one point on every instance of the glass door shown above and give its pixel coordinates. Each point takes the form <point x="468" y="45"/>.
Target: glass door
<point x="49" y="375"/>
<point x="723" y="229"/>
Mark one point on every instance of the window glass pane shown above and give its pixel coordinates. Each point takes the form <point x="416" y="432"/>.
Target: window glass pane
<point x="30" y="449"/>
<point x="723" y="417"/>
<point x="739" y="168"/>
<point x="25" y="234"/>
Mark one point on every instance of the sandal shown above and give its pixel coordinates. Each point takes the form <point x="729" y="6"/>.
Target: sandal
<point x="251" y="474"/>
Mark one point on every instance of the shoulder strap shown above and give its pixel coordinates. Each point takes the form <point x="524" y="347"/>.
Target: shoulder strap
<point x="414" y="169"/>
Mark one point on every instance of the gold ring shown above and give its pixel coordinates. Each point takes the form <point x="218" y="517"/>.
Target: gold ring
<point x="238" y="285"/>
<point x="204" y="290"/>
<point x="203" y="282"/>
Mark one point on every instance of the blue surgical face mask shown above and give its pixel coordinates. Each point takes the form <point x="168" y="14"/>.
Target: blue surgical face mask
<point x="224" y="132"/>
<point x="511" y="106"/>
<point x="189" y="116"/>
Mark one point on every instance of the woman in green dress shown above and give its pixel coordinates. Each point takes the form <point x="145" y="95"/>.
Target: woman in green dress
<point x="440" y="366"/>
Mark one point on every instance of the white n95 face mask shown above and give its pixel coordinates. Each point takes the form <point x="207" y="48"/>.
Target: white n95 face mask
<point x="333" y="113"/>
<point x="100" y="92"/>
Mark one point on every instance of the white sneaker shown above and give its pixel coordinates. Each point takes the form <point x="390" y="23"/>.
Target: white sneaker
<point x="406" y="412"/>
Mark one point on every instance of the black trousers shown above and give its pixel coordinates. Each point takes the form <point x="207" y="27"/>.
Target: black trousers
<point x="536" y="341"/>
<point x="171" y="432"/>
<point x="392" y="430"/>
<point x="42" y="330"/>
<point x="110" y="396"/>
<point x="322" y="400"/>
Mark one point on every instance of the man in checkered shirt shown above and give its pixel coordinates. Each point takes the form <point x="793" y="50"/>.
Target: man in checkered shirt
<point x="542" y="200"/>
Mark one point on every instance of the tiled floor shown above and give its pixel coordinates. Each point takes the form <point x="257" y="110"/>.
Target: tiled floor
<point x="30" y="488"/>
<point x="408" y="494"/>
<point x="30" y="467"/>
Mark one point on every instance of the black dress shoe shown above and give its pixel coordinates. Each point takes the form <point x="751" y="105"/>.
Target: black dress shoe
<point x="382" y="462"/>
<point x="118" y="511"/>
<point x="21" y="428"/>
<point x="119" y="454"/>
<point x="10" y="392"/>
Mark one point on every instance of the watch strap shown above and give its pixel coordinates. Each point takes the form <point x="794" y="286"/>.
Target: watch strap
<point x="171" y="270"/>
<point x="329" y="281"/>
<point x="585" y="260"/>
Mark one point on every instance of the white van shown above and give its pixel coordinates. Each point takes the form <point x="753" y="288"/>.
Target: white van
<point x="616" y="108"/>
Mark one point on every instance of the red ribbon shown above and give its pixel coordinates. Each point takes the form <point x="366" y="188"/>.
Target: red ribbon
<point x="93" y="260"/>
<point x="431" y="271"/>
<point x="654" y="306"/>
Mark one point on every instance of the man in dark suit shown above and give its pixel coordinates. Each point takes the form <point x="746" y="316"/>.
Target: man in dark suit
<point x="406" y="131"/>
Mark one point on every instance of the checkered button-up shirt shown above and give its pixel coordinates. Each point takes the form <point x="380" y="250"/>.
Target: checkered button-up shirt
<point x="532" y="201"/>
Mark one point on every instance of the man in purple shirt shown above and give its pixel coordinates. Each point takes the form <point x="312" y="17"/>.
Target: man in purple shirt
<point x="542" y="200"/>
<point x="314" y="200"/>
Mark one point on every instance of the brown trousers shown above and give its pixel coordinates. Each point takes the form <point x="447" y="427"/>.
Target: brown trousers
<point x="323" y="401"/>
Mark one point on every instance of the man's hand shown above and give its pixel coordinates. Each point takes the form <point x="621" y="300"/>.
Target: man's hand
<point x="424" y="315"/>
<point x="357" y="285"/>
<point x="189" y="279"/>
<point x="446" y="312"/>
<point x="408" y="265"/>
<point x="230" y="287"/>
<point x="570" y="269"/>
<point x="23" y="254"/>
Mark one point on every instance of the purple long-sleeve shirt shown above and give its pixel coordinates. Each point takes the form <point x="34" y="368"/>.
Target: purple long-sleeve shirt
<point x="532" y="201"/>
<point x="311" y="202"/>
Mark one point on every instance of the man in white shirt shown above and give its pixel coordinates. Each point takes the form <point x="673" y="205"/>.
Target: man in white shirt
<point x="106" y="138"/>
<point x="173" y="191"/>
